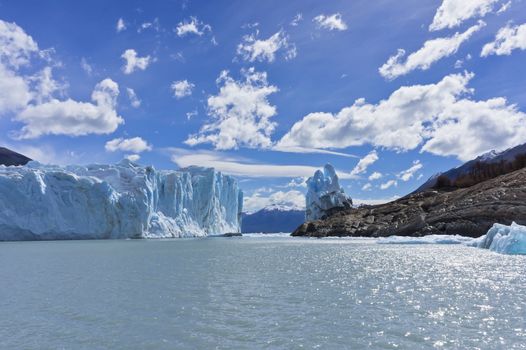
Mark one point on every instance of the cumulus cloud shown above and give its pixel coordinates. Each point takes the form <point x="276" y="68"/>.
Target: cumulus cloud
<point x="508" y="38"/>
<point x="242" y="167"/>
<point x="240" y="114"/>
<point x="364" y="163"/>
<point x="408" y="174"/>
<point x="432" y="51"/>
<point x="367" y="187"/>
<point x="30" y="99"/>
<point x="388" y="184"/>
<point x="375" y="176"/>
<point x="254" y="49"/>
<point x="182" y="88"/>
<point x="439" y="118"/>
<point x="135" y="145"/>
<point x="452" y="13"/>
<point x="192" y="26"/>
<point x="292" y="199"/>
<point x="330" y="22"/>
<point x="70" y="117"/>
<point x="16" y="47"/>
<point x="120" y="25"/>
<point x="134" y="62"/>
<point x="132" y="96"/>
<point x="16" y="50"/>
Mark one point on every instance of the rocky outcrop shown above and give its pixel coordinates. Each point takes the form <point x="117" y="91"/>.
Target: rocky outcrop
<point x="9" y="158"/>
<point x="468" y="211"/>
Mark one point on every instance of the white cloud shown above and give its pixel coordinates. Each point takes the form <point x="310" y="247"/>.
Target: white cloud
<point x="194" y="26"/>
<point x="330" y="22"/>
<point x="408" y="174"/>
<point x="452" y="13"/>
<point x="120" y="25"/>
<point x="16" y="47"/>
<point x="364" y="163"/>
<point x="375" y="176"/>
<point x="30" y="98"/>
<point x="388" y="184"/>
<point x="441" y="118"/>
<point x="44" y="86"/>
<point x="298" y="182"/>
<point x="190" y="115"/>
<point x="367" y="187"/>
<point x="86" y="67"/>
<point x="254" y="49"/>
<point x="16" y="50"/>
<point x="292" y="199"/>
<point x="132" y="96"/>
<point x="504" y="7"/>
<point x="240" y="113"/>
<point x="296" y="20"/>
<point x="182" y="88"/>
<point x="134" y="62"/>
<point x="432" y="51"/>
<point x="73" y="118"/>
<point x="135" y="145"/>
<point x="133" y="157"/>
<point x="507" y="39"/>
<point x="240" y="166"/>
<point x="149" y="25"/>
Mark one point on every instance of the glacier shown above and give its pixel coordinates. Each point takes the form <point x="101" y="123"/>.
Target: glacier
<point x="324" y="194"/>
<point x="504" y="239"/>
<point x="125" y="200"/>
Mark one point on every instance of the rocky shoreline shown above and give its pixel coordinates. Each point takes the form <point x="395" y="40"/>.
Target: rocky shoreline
<point x="468" y="211"/>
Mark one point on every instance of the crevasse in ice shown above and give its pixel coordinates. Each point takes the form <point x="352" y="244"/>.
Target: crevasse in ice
<point x="324" y="193"/>
<point x="124" y="200"/>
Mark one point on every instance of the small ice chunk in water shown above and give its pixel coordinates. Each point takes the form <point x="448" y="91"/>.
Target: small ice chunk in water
<point x="504" y="239"/>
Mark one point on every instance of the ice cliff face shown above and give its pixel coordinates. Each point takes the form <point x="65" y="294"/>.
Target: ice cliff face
<point x="504" y="239"/>
<point x="324" y="194"/>
<point x="115" y="201"/>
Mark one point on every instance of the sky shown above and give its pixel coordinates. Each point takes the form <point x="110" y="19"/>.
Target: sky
<point x="389" y="92"/>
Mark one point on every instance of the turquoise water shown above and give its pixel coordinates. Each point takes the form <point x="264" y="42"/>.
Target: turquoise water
<point x="258" y="293"/>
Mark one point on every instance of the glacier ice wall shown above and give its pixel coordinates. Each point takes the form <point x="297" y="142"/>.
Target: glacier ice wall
<point x="324" y="194"/>
<point x="504" y="239"/>
<point x="124" y="200"/>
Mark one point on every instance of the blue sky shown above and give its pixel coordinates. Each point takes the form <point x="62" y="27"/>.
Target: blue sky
<point x="267" y="91"/>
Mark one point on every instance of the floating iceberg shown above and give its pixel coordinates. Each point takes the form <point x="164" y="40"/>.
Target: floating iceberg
<point x="504" y="239"/>
<point x="429" y="239"/>
<point x="115" y="201"/>
<point x="324" y="194"/>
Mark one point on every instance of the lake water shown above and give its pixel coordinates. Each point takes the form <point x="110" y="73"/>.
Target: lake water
<point x="259" y="293"/>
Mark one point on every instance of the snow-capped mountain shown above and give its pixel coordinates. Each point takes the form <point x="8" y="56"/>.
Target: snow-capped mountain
<point x="273" y="218"/>
<point x="124" y="200"/>
<point x="492" y="157"/>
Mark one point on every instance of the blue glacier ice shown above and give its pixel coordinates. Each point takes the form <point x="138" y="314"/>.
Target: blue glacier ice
<point x="124" y="200"/>
<point x="504" y="239"/>
<point x="324" y="194"/>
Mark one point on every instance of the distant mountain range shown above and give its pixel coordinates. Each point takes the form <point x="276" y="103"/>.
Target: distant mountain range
<point x="482" y="168"/>
<point x="8" y="157"/>
<point x="274" y="218"/>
